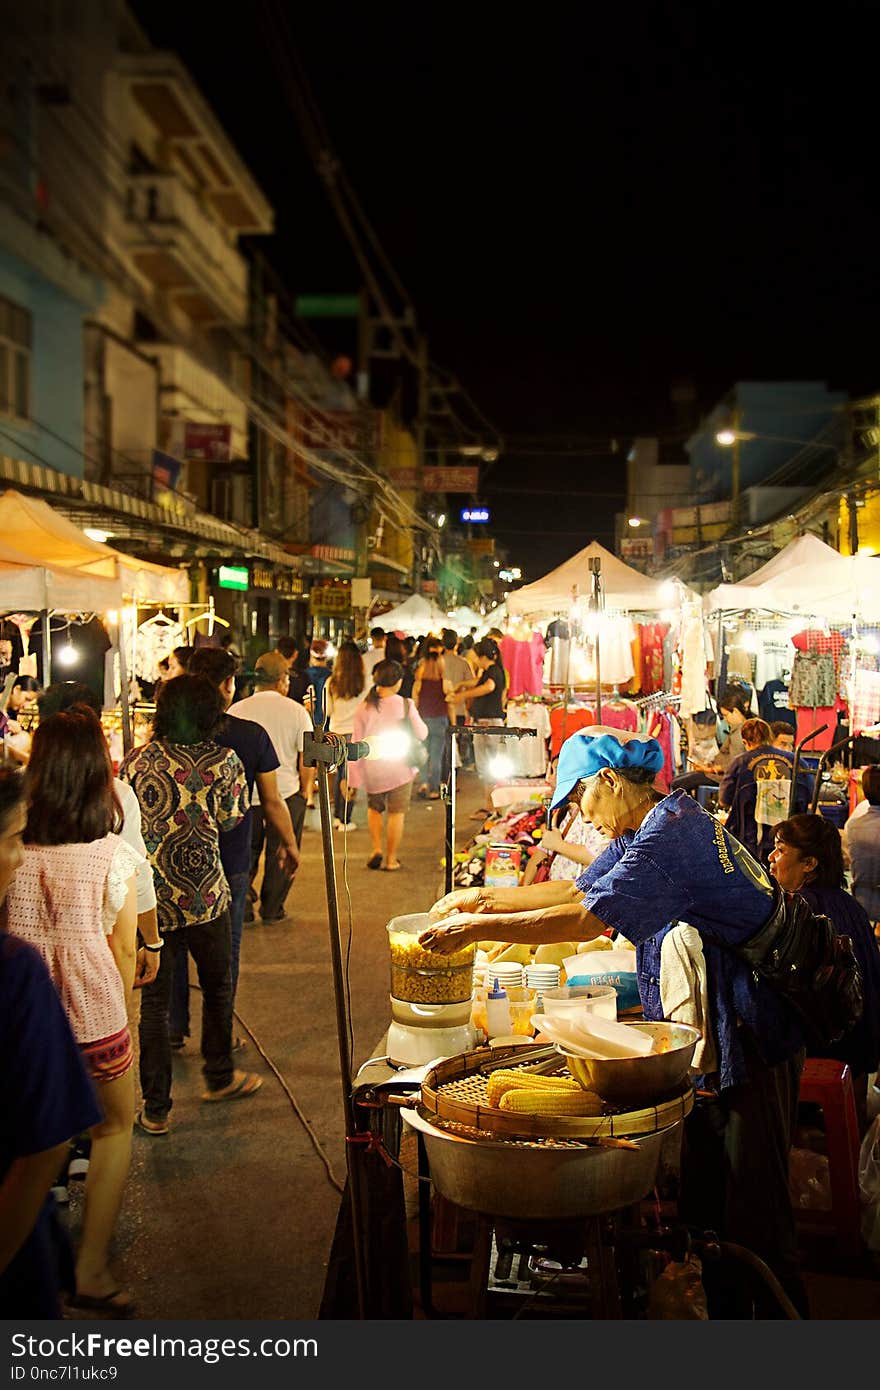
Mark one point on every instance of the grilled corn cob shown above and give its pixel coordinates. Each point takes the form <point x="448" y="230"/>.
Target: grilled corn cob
<point x="549" y="1102"/>
<point x="514" y="1078"/>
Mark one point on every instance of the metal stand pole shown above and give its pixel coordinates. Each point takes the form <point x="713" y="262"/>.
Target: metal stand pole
<point x="596" y="607"/>
<point x="448" y="792"/>
<point x="47" y="647"/>
<point x="323" y="751"/>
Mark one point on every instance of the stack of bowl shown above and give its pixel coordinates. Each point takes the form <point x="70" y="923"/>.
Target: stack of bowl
<point x="508" y="973"/>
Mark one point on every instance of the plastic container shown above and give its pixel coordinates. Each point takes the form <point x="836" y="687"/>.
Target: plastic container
<point x="423" y="977"/>
<point x="573" y="1001"/>
<point x="497" y="1011"/>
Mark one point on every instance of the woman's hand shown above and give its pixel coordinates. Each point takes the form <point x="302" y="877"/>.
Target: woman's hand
<point x="146" y="968"/>
<point x="462" y="900"/>
<point x="552" y="842"/>
<point x="454" y="936"/>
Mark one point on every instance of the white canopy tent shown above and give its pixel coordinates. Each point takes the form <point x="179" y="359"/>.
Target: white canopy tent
<point x="623" y="587"/>
<point x="415" y="616"/>
<point x="29" y="588"/>
<point x="806" y="578"/>
<point x="462" y="619"/>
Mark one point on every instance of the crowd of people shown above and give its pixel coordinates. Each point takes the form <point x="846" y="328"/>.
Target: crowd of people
<point x="110" y="884"/>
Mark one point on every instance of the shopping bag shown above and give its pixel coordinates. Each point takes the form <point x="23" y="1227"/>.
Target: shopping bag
<point x="869" y="1184"/>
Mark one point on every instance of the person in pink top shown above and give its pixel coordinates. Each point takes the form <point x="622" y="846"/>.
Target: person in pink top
<point x="74" y="898"/>
<point x="389" y="724"/>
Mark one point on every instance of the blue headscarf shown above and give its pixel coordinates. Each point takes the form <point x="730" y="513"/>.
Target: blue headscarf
<point x="582" y="756"/>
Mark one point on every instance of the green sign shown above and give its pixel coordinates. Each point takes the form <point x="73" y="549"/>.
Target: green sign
<point x="328" y="306"/>
<point x="233" y="577"/>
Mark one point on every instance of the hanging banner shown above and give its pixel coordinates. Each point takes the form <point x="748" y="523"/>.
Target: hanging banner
<point x="328" y="601"/>
<point x="455" y="479"/>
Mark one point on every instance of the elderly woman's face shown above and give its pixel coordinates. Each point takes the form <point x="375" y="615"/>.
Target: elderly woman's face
<point x="602" y="806"/>
<point x="790" y="867"/>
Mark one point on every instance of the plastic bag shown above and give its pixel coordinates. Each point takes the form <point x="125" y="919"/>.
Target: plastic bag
<point x="678" y="1292"/>
<point x="869" y="1184"/>
<point x="809" y="1180"/>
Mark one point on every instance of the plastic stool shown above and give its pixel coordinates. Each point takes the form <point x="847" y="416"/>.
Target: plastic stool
<point x="828" y="1084"/>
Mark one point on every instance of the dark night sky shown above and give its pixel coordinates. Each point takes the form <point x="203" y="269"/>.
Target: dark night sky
<point x="583" y="205"/>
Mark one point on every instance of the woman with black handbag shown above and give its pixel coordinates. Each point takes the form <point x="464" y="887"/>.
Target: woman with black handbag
<point x="395" y="731"/>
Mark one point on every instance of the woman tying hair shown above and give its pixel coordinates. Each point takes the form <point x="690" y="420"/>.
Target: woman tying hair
<point x="808" y="860"/>
<point x="390" y="724"/>
<point x="74" y="899"/>
<point x="670" y="862"/>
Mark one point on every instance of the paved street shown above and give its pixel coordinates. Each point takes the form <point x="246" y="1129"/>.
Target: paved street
<point x="232" y="1214"/>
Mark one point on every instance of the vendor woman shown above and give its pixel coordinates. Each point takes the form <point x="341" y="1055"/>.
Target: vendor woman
<point x="668" y="861"/>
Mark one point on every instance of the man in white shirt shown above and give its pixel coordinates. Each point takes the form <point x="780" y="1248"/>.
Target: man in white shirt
<point x="285" y="721"/>
<point x="375" y="654"/>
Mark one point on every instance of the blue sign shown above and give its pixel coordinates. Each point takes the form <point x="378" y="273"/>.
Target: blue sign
<point x="474" y="514"/>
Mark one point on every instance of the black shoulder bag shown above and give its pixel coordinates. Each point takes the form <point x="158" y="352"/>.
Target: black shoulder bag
<point x="799" y="954"/>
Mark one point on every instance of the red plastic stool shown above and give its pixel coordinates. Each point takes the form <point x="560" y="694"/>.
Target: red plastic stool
<point x="829" y="1084"/>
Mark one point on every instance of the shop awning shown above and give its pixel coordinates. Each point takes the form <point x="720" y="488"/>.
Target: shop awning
<point x="29" y="588"/>
<point x="807" y="578"/>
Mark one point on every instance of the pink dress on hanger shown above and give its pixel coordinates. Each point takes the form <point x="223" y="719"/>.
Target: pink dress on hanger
<point x="524" y="664"/>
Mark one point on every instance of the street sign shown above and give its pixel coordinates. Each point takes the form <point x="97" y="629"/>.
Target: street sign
<point x="455" y="479"/>
<point x="329" y="600"/>
<point x="328" y="306"/>
<point x="480" y="514"/>
<point x="233" y="577"/>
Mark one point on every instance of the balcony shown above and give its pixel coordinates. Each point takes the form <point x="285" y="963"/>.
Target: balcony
<point x="182" y="251"/>
<point x="166" y="94"/>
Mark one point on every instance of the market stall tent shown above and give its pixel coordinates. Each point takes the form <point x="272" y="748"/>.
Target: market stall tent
<point x="416" y="615"/>
<point x="45" y="537"/>
<point x="624" y="587"/>
<point x="29" y="588"/>
<point x="463" y="619"/>
<point x="807" y="577"/>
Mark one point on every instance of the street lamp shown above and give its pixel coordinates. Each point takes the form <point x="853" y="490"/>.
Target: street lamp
<point x="728" y="437"/>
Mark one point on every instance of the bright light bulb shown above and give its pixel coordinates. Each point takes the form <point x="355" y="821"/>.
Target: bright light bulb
<point x="441" y="520"/>
<point x="95" y="533"/>
<point x="635" y="522"/>
<point x="668" y="590"/>
<point x="725" y="438"/>
<point x="66" y="655"/>
<point x="113" y="617"/>
<point x="501" y="765"/>
<point x="391" y="746"/>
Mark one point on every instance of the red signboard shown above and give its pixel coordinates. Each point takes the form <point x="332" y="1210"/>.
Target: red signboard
<point x="210" y="443"/>
<point x="455" y="479"/>
<point x="404" y="477"/>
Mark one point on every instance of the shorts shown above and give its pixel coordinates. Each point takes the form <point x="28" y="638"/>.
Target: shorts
<point x="108" y="1058"/>
<point x="394" y="802"/>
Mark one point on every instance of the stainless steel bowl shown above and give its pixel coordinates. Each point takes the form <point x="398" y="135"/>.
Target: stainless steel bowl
<point x="637" y="1081"/>
<point x="537" y="1182"/>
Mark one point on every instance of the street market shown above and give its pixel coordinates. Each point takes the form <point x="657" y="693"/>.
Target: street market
<point x="439" y="822"/>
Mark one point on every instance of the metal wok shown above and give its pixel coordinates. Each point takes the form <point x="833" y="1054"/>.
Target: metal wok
<point x="540" y="1181"/>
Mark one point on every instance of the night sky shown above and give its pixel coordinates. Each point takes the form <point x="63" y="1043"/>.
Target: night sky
<point x="586" y="203"/>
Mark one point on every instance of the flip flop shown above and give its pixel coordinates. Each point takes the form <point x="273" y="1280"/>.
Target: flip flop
<point x="107" y="1303"/>
<point x="374" y="862"/>
<point x="243" y="1084"/>
<point x="392" y="868"/>
<point x="152" y="1127"/>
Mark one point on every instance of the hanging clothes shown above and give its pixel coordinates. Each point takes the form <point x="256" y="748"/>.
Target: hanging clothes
<point x="660" y="727"/>
<point x="565" y="721"/>
<point x="865" y="709"/>
<point x="652" y="636"/>
<point x="530" y="714"/>
<point x="694" y="680"/>
<point x="523" y="660"/>
<point x="620" y="714"/>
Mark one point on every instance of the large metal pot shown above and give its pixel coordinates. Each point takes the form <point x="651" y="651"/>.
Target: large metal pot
<point x="535" y="1182"/>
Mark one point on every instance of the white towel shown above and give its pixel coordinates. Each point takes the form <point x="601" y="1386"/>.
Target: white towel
<point x="684" y="990"/>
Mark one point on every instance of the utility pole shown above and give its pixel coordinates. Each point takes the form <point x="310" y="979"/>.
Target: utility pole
<point x="735" y="470"/>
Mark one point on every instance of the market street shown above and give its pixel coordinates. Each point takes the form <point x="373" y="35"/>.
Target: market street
<point x="232" y="1214"/>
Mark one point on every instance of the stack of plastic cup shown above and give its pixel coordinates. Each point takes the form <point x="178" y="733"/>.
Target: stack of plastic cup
<point x="541" y="977"/>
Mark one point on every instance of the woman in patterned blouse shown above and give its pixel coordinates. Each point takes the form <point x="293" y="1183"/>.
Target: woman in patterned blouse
<point x="190" y="791"/>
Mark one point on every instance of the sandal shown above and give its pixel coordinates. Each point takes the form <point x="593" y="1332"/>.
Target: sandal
<point x="243" y="1083"/>
<point x="392" y="868"/>
<point x="116" y="1304"/>
<point x="374" y="862"/>
<point x="151" y="1126"/>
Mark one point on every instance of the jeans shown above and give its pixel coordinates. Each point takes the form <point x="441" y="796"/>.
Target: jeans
<point x="435" y="744"/>
<point x="178" y="1014"/>
<point x="210" y="945"/>
<point x="276" y="881"/>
